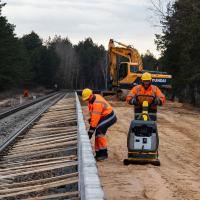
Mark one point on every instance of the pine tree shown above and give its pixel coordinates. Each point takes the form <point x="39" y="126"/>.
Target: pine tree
<point x="14" y="64"/>
<point x="180" y="43"/>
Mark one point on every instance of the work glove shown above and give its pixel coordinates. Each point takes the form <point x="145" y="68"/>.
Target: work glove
<point x="91" y="132"/>
<point x="133" y="101"/>
<point x="157" y="101"/>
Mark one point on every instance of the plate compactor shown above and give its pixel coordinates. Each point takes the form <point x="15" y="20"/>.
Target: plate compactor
<point x="143" y="140"/>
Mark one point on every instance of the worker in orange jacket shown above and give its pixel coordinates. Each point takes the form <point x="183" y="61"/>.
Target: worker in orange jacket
<point x="146" y="89"/>
<point x="102" y="117"/>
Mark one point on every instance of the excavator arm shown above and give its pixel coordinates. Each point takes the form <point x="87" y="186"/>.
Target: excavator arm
<point x="124" y="51"/>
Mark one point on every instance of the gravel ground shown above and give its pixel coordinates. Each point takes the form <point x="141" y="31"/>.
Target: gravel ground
<point x="13" y="123"/>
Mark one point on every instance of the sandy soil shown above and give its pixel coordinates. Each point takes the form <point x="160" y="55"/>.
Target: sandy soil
<point x="177" y="178"/>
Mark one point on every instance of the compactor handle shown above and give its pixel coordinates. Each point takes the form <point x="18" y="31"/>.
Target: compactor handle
<point x="147" y="96"/>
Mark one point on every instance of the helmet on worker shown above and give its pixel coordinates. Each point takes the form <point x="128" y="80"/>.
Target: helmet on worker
<point x="86" y="94"/>
<point x="146" y="80"/>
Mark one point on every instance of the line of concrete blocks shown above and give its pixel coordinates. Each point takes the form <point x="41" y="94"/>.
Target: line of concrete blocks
<point x="89" y="183"/>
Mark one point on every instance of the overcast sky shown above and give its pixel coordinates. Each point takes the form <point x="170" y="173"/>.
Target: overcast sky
<point x="124" y="20"/>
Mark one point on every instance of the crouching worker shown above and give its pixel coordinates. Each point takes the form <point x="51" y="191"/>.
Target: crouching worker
<point x="145" y="91"/>
<point x="102" y="117"/>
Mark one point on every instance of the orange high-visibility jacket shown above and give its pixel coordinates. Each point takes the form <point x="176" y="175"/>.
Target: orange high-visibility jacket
<point x="98" y="109"/>
<point x="152" y="91"/>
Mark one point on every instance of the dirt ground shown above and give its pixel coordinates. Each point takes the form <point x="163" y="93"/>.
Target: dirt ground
<point x="177" y="178"/>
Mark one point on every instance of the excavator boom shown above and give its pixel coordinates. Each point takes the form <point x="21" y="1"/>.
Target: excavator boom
<point x="123" y="51"/>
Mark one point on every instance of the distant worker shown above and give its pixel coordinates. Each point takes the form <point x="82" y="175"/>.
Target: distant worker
<point x="138" y="93"/>
<point x="102" y="117"/>
<point x="26" y="93"/>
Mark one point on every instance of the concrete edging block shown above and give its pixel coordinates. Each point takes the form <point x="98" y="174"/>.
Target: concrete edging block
<point x="89" y="182"/>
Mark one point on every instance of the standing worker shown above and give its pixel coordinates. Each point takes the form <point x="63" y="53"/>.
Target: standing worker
<point x="26" y="92"/>
<point x="102" y="117"/>
<point x="146" y="89"/>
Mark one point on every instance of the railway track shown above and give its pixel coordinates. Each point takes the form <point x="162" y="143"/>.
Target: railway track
<point x="18" y="119"/>
<point x="12" y="110"/>
<point x="42" y="162"/>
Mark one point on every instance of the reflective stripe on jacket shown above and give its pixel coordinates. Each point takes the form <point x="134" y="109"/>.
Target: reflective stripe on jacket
<point x="98" y="109"/>
<point x="152" y="91"/>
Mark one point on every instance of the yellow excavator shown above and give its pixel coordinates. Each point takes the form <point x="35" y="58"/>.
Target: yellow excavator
<point x="125" y="75"/>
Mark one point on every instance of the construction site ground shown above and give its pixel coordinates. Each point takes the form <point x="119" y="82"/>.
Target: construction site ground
<point x="177" y="178"/>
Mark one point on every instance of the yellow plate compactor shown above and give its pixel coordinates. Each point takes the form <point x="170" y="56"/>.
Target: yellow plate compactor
<point x="143" y="140"/>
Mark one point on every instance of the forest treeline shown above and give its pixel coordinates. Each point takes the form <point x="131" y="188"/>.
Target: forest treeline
<point x="180" y="47"/>
<point x="30" y="61"/>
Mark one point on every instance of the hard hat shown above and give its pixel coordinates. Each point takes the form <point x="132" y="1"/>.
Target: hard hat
<point x="146" y="76"/>
<point x="86" y="94"/>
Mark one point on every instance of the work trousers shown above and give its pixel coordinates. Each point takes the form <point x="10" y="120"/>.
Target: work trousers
<point x="100" y="134"/>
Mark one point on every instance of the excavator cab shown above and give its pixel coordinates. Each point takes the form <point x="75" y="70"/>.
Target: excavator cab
<point x="127" y="77"/>
<point x="134" y="68"/>
<point x="127" y="72"/>
<point x="123" y="71"/>
<point x="126" y="68"/>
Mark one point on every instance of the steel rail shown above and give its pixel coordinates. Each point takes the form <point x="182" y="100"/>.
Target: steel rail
<point x="43" y="164"/>
<point x="12" y="138"/>
<point x="25" y="105"/>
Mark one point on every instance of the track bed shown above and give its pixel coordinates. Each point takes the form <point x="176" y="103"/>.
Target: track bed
<point x="42" y="164"/>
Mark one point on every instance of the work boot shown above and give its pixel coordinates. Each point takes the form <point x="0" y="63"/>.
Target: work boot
<point x="101" y="158"/>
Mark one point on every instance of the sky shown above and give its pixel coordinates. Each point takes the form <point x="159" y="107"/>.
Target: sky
<point x="125" y="21"/>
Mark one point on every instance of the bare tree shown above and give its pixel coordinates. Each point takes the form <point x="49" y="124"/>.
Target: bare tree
<point x="68" y="69"/>
<point x="159" y="10"/>
<point x="104" y="70"/>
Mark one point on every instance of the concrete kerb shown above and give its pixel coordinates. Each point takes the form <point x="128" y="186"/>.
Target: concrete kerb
<point x="89" y="182"/>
